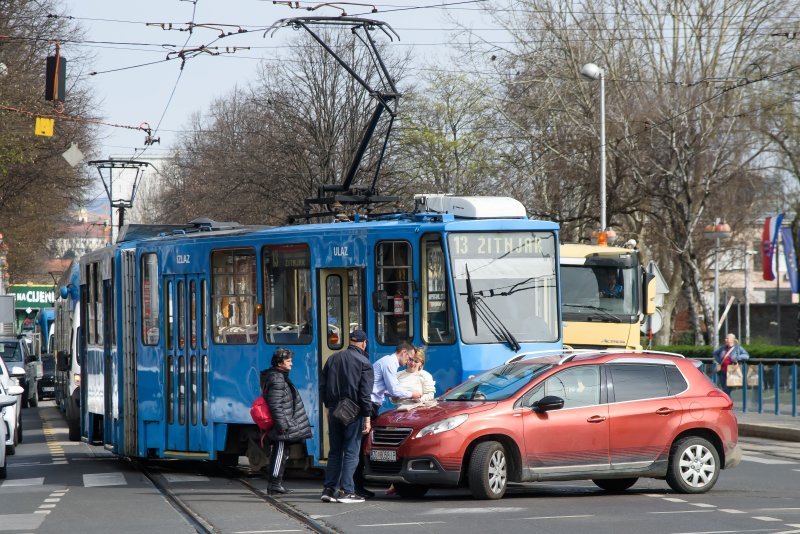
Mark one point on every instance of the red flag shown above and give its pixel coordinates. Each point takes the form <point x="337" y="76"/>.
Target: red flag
<point x="766" y="250"/>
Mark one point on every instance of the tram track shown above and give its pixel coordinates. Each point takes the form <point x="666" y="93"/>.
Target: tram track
<point x="203" y="526"/>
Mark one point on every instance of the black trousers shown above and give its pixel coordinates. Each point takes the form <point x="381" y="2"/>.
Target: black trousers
<point x="277" y="461"/>
<point x="358" y="477"/>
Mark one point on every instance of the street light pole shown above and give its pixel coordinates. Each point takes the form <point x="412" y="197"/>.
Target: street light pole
<point x="747" y="254"/>
<point x="716" y="231"/>
<point x="593" y="72"/>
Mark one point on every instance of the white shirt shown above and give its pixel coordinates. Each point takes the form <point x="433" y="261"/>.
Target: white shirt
<point x="386" y="380"/>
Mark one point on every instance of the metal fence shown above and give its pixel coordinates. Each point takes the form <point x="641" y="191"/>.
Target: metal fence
<point x="770" y="385"/>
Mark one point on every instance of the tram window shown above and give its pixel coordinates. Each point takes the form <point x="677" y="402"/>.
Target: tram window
<point x="333" y="293"/>
<point x="287" y="292"/>
<point x="438" y="315"/>
<point x="170" y="315"/>
<point x="355" y="299"/>
<point x="394" y="283"/>
<point x="204" y="316"/>
<point x="193" y="318"/>
<point x="90" y="325"/>
<point x="233" y="294"/>
<point x="150" y="300"/>
<point x="98" y="303"/>
<point x="181" y="315"/>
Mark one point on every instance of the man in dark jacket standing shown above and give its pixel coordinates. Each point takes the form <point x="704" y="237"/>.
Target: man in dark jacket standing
<point x="288" y="413"/>
<point x="346" y="374"/>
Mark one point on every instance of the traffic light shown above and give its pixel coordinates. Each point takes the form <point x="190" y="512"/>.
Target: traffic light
<point x="55" y="78"/>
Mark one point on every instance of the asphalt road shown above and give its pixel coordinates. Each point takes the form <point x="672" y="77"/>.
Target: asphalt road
<point x="55" y="485"/>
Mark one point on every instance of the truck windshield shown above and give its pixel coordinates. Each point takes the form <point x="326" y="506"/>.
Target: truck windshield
<point x="10" y="351"/>
<point x="505" y="286"/>
<point x="603" y="291"/>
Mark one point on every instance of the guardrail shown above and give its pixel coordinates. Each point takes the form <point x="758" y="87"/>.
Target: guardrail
<point x="772" y="384"/>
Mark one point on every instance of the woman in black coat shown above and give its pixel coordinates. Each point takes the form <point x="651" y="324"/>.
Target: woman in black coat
<point x="288" y="413"/>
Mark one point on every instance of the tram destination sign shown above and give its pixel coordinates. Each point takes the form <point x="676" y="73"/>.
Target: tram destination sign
<point x="32" y="296"/>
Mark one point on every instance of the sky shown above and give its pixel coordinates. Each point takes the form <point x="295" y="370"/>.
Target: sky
<point x="135" y="85"/>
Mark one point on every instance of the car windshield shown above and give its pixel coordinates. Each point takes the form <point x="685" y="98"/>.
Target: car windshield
<point x="499" y="383"/>
<point x="10" y="351"/>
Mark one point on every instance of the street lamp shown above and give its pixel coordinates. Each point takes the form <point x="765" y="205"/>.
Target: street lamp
<point x="716" y="231"/>
<point x="747" y="254"/>
<point x="591" y="71"/>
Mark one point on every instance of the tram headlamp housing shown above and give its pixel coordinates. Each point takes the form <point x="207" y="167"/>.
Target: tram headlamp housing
<point x="443" y="426"/>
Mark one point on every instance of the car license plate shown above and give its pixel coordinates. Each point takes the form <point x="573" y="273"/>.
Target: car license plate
<point x="381" y="455"/>
<point x="48" y="388"/>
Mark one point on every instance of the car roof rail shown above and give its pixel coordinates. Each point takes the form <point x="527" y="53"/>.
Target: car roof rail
<point x="647" y="351"/>
<point x="566" y="354"/>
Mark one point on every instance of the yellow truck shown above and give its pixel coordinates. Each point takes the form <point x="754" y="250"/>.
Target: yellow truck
<point x="607" y="296"/>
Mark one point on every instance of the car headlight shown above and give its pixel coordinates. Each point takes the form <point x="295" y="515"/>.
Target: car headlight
<point x="443" y="426"/>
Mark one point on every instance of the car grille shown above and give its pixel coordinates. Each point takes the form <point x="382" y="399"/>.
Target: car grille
<point x="385" y="468"/>
<point x="387" y="436"/>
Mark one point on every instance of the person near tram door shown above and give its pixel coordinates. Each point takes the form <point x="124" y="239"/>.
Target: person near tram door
<point x="288" y="413"/>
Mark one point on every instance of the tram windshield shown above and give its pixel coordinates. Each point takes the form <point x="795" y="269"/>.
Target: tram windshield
<point x="505" y="285"/>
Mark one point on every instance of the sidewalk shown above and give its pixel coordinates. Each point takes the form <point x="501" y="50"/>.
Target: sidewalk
<point x="768" y="425"/>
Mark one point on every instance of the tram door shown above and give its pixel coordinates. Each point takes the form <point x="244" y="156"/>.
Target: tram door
<point x="184" y="367"/>
<point x="341" y="311"/>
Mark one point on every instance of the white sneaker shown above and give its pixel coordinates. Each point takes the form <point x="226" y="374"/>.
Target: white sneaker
<point x="349" y="498"/>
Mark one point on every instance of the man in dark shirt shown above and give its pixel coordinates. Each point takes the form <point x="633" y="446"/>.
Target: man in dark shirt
<point x="346" y="374"/>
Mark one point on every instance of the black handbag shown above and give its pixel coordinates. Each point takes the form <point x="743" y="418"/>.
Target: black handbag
<point x="346" y="411"/>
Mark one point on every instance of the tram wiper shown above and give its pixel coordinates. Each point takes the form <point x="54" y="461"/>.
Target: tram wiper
<point x="471" y="301"/>
<point x="477" y="307"/>
<point x="601" y="311"/>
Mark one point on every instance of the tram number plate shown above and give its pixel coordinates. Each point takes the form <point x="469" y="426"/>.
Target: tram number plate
<point x="48" y="388"/>
<point x="380" y="455"/>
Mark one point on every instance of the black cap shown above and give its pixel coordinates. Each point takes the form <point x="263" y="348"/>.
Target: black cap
<point x="358" y="336"/>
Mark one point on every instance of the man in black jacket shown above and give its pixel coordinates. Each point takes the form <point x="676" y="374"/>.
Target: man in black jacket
<point x="288" y="413"/>
<point x="346" y="374"/>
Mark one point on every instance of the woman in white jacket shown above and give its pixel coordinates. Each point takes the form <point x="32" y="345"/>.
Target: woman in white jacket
<point x="415" y="378"/>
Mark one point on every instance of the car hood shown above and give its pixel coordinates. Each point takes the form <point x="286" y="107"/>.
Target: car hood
<point x="424" y="415"/>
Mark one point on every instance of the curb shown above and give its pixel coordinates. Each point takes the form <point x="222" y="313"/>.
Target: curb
<point x="782" y="433"/>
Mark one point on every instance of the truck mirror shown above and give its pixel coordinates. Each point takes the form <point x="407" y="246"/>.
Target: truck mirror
<point x="649" y="294"/>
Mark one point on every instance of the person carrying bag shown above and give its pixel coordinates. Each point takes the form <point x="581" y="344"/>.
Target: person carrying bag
<point x="727" y="358"/>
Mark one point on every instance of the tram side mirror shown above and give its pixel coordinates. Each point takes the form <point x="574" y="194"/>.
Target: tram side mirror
<point x="545" y="404"/>
<point x="62" y="361"/>
<point x="380" y="300"/>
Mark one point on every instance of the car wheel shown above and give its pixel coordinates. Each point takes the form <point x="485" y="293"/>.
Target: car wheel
<point x="693" y="465"/>
<point x="488" y="471"/>
<point x="11" y="450"/>
<point x="615" y="485"/>
<point x="410" y="491"/>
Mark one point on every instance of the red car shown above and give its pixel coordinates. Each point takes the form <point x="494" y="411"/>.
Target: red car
<point x="609" y="417"/>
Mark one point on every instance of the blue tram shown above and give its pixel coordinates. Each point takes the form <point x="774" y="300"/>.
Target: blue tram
<point x="178" y="321"/>
<point x="65" y="348"/>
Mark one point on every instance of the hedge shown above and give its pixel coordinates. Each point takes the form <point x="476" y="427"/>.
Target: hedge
<point x="755" y="351"/>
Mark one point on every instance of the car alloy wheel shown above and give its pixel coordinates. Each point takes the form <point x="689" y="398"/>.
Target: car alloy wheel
<point x="693" y="466"/>
<point x="488" y="471"/>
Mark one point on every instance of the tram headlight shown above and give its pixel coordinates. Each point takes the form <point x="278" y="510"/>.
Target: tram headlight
<point x="443" y="426"/>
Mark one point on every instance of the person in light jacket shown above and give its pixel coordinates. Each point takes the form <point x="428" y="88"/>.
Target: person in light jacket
<point x="288" y="413"/>
<point x="415" y="378"/>
<point x="729" y="353"/>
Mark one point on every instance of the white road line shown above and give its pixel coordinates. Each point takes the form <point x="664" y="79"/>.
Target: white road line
<point x="21" y="521"/>
<point x="492" y="509"/>
<point x="731" y="511"/>
<point x="674" y="499"/>
<point x="46" y="506"/>
<point x="549" y="517"/>
<point x="52" y="500"/>
<point x="702" y="505"/>
<point x="104" y="479"/>
<point x="264" y="531"/>
<point x="683" y="512"/>
<point x="771" y="530"/>
<point x="765" y="518"/>
<point x="418" y="524"/>
<point x="23" y="482"/>
<point x="770" y="461"/>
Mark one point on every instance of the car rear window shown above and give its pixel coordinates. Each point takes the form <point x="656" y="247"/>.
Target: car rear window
<point x="638" y="381"/>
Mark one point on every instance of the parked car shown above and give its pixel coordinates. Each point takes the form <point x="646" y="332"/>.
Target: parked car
<point x="15" y="351"/>
<point x="609" y="417"/>
<point x="6" y="401"/>
<point x="47" y="384"/>
<point x="12" y="415"/>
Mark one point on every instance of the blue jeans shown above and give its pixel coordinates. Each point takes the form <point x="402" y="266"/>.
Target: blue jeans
<point x="345" y="442"/>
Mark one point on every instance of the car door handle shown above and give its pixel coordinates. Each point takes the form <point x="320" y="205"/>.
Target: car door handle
<point x="664" y="411"/>
<point x="596" y="419"/>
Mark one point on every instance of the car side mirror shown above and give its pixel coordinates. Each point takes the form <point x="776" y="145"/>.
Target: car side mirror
<point x="17" y="372"/>
<point x="15" y="390"/>
<point x="545" y="404"/>
<point x="62" y="361"/>
<point x="7" y="400"/>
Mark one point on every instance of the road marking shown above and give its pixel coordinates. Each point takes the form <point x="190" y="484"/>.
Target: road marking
<point x="104" y="479"/>
<point x="21" y="521"/>
<point x="493" y="509"/>
<point x="702" y="505"/>
<point x="45" y="506"/>
<point x="23" y="482"/>
<point x="674" y="499"/>
<point x="769" y="461"/>
<point x="418" y="524"/>
<point x="550" y="517"/>
<point x="771" y="530"/>
<point x="731" y="511"/>
<point x="765" y="518"/>
<point x="264" y="531"/>
<point x="683" y="512"/>
<point x="53" y="500"/>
